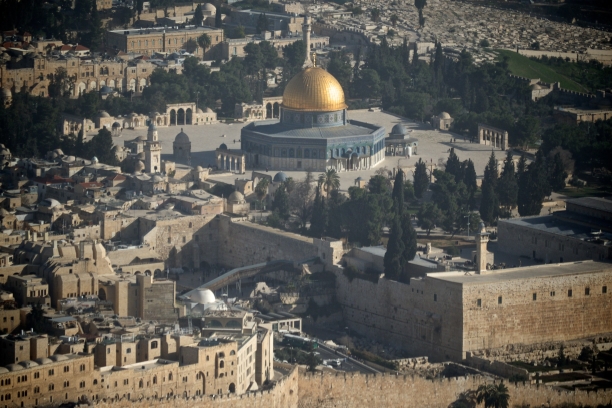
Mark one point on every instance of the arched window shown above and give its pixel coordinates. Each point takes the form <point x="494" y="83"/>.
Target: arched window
<point x="291" y="152"/>
<point x="140" y="384"/>
<point x="232" y="353"/>
<point x="221" y="364"/>
<point x="307" y="153"/>
<point x="155" y="380"/>
<point x="170" y="377"/>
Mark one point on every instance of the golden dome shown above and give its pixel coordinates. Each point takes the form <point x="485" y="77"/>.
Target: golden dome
<point x="314" y="89"/>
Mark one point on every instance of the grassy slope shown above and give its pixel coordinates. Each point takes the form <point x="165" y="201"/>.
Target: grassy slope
<point x="524" y="67"/>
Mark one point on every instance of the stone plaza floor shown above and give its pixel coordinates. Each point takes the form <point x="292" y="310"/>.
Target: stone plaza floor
<point x="433" y="146"/>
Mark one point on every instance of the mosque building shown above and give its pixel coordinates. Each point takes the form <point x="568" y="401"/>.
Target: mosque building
<point x="314" y="131"/>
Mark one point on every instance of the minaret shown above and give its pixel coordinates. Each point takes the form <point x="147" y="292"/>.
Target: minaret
<point x="482" y="238"/>
<point x="152" y="151"/>
<point x="306" y="37"/>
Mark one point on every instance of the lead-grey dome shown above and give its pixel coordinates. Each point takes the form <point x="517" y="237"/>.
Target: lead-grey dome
<point x="399" y="129"/>
<point x="280" y="177"/>
<point x="182" y="137"/>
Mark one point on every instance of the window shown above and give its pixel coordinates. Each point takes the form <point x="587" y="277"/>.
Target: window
<point x="66" y="369"/>
<point x="51" y="387"/>
<point x="604" y="289"/>
<point x="51" y="371"/>
<point x="552" y="293"/>
<point x="154" y="344"/>
<point x="535" y="296"/>
<point x="82" y="367"/>
<point x="499" y="300"/>
<point x="37" y="375"/>
<point x="479" y="302"/>
<point x="36" y="390"/>
<point x="126" y="382"/>
<point x="128" y="350"/>
<point x="435" y="297"/>
<point x="95" y="382"/>
<point x="587" y="291"/>
<point x="82" y="384"/>
<point x="66" y="384"/>
<point x="170" y="377"/>
<point x="569" y="293"/>
<point x="155" y="380"/>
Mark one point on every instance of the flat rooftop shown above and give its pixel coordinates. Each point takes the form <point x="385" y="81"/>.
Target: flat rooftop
<point x="596" y="203"/>
<point x="528" y="272"/>
<point x="554" y="224"/>
<point x="153" y="30"/>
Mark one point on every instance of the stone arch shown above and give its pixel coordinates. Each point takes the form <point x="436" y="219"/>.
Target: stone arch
<point x="232" y="388"/>
<point x="132" y="85"/>
<point x="180" y="116"/>
<point x="172" y="117"/>
<point x="275" y="110"/>
<point x="188" y="116"/>
<point x="81" y="87"/>
<point x="111" y="83"/>
<point x="269" y="111"/>
<point x="92" y="85"/>
<point x="102" y="83"/>
<point x="102" y="294"/>
<point x="143" y="84"/>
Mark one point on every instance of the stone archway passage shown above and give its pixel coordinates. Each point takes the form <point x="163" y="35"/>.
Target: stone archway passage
<point x="189" y="117"/>
<point x="276" y="110"/>
<point x="173" y="117"/>
<point x="269" y="111"/>
<point x="180" y="117"/>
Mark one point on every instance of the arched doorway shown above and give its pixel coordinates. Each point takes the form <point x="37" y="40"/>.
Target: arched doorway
<point x="268" y="111"/>
<point x="232" y="388"/>
<point x="173" y="117"/>
<point x="188" y="117"/>
<point x="180" y="117"/>
<point x="276" y="110"/>
<point x="102" y="294"/>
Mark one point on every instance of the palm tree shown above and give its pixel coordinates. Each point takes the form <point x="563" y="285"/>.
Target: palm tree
<point x="493" y="395"/>
<point x="466" y="399"/>
<point x="262" y="190"/>
<point x="330" y="180"/>
<point x="204" y="41"/>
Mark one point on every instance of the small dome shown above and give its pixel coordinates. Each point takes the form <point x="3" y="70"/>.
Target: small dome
<point x="105" y="90"/>
<point x="203" y="296"/>
<point x="49" y="202"/>
<point x="156" y="114"/>
<point x="141" y="138"/>
<point x="70" y="159"/>
<point x="103" y="114"/>
<point x="399" y="129"/>
<point x="6" y="93"/>
<point x="209" y="7"/>
<point x="182" y="137"/>
<point x="139" y="166"/>
<point x="280" y="177"/>
<point x="157" y="179"/>
<point x="535" y="87"/>
<point x="14" y="367"/>
<point x="4" y="370"/>
<point x="58" y="357"/>
<point x="4" y="213"/>
<point x="208" y="110"/>
<point x="59" y="152"/>
<point x="200" y="111"/>
<point x="43" y="361"/>
<point x="140" y="156"/>
<point x="445" y="115"/>
<point x="5" y="152"/>
<point x="482" y="228"/>
<point x="152" y="127"/>
<point x="94" y="159"/>
<point x="223" y="146"/>
<point x="28" y="364"/>
<point x="133" y="115"/>
<point x="236" y="197"/>
<point x="199" y="168"/>
<point x="116" y="125"/>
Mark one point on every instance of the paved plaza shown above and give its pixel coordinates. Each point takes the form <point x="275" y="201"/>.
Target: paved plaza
<point x="433" y="146"/>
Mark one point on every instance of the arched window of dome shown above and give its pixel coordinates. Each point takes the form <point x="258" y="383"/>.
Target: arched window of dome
<point x="314" y="153"/>
<point x="283" y="152"/>
<point x="342" y="152"/>
<point x="291" y="152"/>
<point x="298" y="153"/>
<point x="336" y="153"/>
<point x="307" y="153"/>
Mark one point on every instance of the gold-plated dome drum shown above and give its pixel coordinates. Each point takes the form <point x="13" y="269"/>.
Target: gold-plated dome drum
<point x="314" y="90"/>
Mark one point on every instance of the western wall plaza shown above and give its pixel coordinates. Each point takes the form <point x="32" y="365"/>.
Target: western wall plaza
<point x="300" y="204"/>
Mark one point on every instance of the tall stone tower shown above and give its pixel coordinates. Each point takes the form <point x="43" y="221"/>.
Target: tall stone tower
<point x="306" y="27"/>
<point x="152" y="151"/>
<point x="482" y="238"/>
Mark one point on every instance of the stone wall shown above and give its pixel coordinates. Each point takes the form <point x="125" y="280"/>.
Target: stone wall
<point x="245" y="243"/>
<point x="358" y="390"/>
<point x="528" y="242"/>
<point x="283" y="395"/>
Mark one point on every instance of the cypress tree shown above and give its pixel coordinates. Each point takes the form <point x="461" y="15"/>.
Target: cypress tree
<point x="421" y="180"/>
<point x="398" y="192"/>
<point x="281" y="202"/>
<point x="453" y="165"/>
<point x="395" y="251"/>
<point x="318" y="222"/>
<point x="409" y="238"/>
<point x="489" y="203"/>
<point x="507" y="186"/>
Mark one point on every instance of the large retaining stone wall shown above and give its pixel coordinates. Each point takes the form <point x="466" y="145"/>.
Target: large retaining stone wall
<point x="358" y="390"/>
<point x="283" y="395"/>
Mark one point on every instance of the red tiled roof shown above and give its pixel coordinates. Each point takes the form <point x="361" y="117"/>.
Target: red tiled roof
<point x="92" y="184"/>
<point x="117" y="177"/>
<point x="80" y="48"/>
<point x="55" y="179"/>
